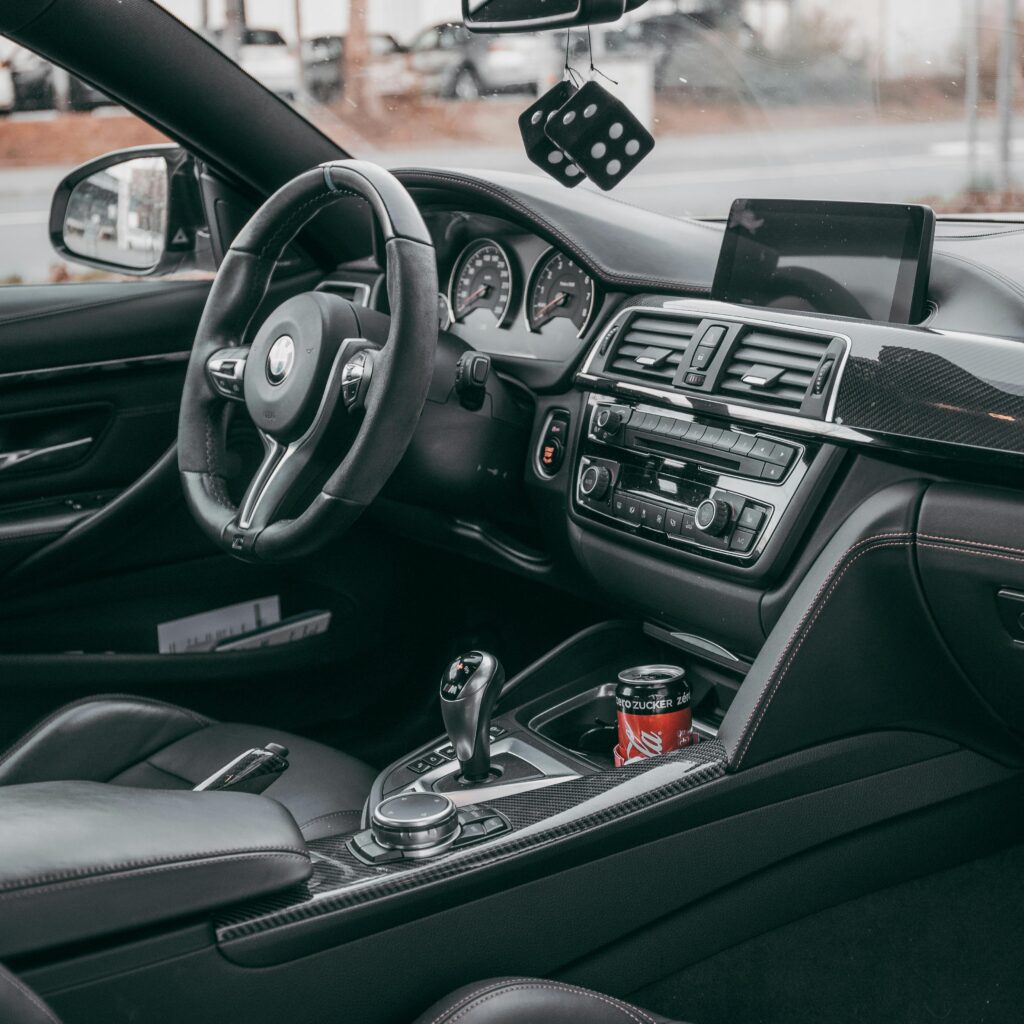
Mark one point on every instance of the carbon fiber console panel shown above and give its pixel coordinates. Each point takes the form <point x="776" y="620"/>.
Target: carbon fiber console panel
<point x="539" y="818"/>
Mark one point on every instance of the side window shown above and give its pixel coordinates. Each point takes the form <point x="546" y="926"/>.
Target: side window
<point x="49" y="123"/>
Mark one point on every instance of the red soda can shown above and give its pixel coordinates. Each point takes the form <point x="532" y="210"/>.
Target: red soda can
<point x="652" y="706"/>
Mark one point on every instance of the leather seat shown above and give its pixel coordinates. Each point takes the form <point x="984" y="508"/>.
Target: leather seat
<point x="134" y="741"/>
<point x="531" y="1001"/>
<point x="500" y="1001"/>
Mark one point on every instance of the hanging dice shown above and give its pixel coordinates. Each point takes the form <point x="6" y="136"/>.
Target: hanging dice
<point x="600" y="134"/>
<point x="539" y="148"/>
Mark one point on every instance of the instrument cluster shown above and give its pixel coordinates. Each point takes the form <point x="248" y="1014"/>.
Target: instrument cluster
<point x="509" y="292"/>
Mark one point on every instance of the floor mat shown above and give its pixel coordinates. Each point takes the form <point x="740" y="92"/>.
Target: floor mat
<point x="948" y="947"/>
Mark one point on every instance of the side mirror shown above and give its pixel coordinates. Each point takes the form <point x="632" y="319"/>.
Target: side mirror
<point x="538" y="15"/>
<point x="135" y="211"/>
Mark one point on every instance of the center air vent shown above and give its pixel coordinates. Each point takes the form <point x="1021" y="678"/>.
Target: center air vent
<point x="650" y="348"/>
<point x="773" y="367"/>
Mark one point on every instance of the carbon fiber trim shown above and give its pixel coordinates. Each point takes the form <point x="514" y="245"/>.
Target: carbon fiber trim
<point x="340" y="881"/>
<point x="951" y="389"/>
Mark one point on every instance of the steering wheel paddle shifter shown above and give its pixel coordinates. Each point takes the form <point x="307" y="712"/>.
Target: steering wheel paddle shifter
<point x="469" y="689"/>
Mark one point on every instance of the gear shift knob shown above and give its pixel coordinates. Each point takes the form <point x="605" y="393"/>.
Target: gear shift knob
<point x="469" y="688"/>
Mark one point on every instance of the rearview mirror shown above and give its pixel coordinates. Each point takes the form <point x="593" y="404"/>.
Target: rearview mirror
<point x="133" y="212"/>
<point x="537" y="15"/>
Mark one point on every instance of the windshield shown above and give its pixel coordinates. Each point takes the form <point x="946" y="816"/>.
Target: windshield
<point x="875" y="100"/>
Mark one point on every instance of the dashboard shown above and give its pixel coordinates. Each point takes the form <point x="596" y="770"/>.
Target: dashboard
<point x="686" y="456"/>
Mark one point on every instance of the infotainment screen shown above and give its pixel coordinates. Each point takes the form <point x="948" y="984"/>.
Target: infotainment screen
<point x="866" y="260"/>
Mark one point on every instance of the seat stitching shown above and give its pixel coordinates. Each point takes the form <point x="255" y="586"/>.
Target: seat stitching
<point x="623" y="1008"/>
<point x="153" y="862"/>
<point x="18" y="745"/>
<point x="802" y="629"/>
<point x="976" y="543"/>
<point x="162" y="869"/>
<point x="16" y="983"/>
<point x="975" y="551"/>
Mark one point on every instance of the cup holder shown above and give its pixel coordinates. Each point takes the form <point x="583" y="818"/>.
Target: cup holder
<point x="584" y="724"/>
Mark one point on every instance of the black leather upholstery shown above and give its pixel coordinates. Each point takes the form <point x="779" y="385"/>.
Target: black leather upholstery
<point x="83" y="859"/>
<point x="499" y="1001"/>
<point x="133" y="741"/>
<point x="19" y="1004"/>
<point x="532" y="1001"/>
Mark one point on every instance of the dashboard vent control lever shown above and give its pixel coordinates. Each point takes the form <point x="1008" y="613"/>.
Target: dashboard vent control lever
<point x="759" y="376"/>
<point x="471" y="373"/>
<point x="251" y="772"/>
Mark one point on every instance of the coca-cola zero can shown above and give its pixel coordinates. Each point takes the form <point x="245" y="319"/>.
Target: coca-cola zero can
<point x="652" y="707"/>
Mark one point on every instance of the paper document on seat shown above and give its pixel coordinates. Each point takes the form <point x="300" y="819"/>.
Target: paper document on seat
<point x="202" y="632"/>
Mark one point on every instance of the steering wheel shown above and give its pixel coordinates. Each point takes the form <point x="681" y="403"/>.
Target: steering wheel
<point x="335" y="412"/>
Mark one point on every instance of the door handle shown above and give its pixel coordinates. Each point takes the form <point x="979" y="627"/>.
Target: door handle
<point x="8" y="460"/>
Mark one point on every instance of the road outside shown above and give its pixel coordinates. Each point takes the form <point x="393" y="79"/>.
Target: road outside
<point x="694" y="175"/>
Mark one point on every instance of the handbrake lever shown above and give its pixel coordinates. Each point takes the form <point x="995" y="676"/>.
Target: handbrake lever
<point x="251" y="772"/>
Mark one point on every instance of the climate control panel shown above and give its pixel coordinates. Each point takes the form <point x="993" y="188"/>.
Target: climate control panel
<point x="684" y="480"/>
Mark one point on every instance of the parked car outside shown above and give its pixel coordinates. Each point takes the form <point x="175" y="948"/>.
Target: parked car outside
<point x="323" y="66"/>
<point x="451" y="62"/>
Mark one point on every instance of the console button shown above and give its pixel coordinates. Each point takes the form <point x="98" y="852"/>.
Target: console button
<point x="727" y="441"/>
<point x="762" y="448"/>
<point x="687" y="527"/>
<point x="713" y="335"/>
<point x="652" y="516"/>
<point x="696" y="431"/>
<point x="744" y="443"/>
<point x="433" y="759"/>
<point x="781" y="454"/>
<point x="496" y="731"/>
<point x="711" y="436"/>
<point x="751" y="518"/>
<point x="493" y="825"/>
<point x="673" y="521"/>
<point x="420" y="766"/>
<point x="679" y="428"/>
<point x="474" y="830"/>
<point x="742" y="540"/>
<point x="702" y="357"/>
<point x="695" y="380"/>
<point x="664" y="424"/>
<point x="629" y="509"/>
<point x="551" y="454"/>
<point x="772" y="471"/>
<point x="447" y="752"/>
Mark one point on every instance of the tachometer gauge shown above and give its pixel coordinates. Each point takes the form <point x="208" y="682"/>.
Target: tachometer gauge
<point x="481" y="280"/>
<point x="559" y="288"/>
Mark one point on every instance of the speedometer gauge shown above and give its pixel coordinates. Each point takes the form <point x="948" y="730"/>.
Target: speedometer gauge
<point x="559" y="288"/>
<point x="482" y="280"/>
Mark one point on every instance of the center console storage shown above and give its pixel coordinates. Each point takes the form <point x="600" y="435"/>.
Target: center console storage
<point x="82" y="860"/>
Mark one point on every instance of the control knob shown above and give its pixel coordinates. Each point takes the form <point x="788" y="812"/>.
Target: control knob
<point x="417" y="824"/>
<point x="595" y="482"/>
<point x="607" y="421"/>
<point x="712" y="516"/>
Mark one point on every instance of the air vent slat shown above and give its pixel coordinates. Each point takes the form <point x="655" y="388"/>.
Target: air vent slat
<point x="760" y="352"/>
<point x="642" y="333"/>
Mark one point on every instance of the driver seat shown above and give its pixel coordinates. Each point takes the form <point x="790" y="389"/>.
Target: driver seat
<point x="135" y="741"/>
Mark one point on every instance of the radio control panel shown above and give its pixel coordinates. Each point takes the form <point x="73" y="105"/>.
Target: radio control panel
<point x="685" y="480"/>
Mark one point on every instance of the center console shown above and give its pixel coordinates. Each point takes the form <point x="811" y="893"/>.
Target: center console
<point x="684" y="482"/>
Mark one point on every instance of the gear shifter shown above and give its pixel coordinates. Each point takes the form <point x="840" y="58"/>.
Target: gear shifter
<point x="469" y="689"/>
